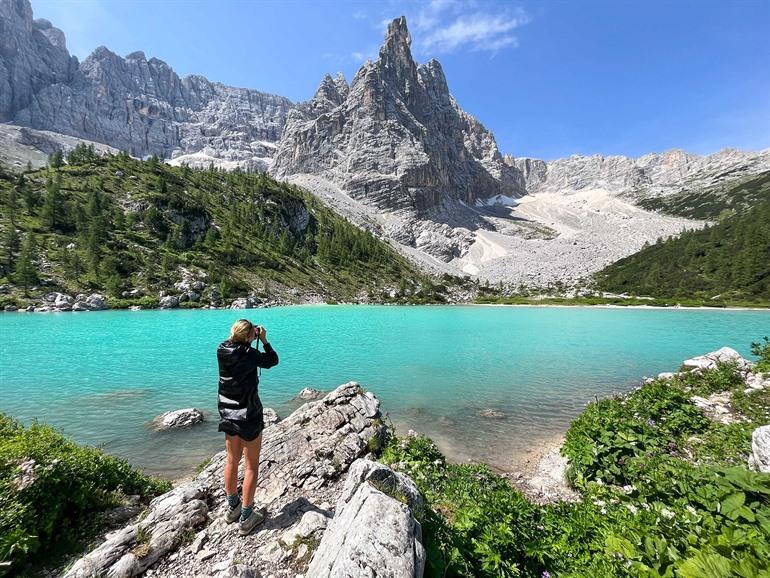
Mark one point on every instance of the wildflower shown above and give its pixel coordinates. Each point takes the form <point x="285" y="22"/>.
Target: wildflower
<point x="666" y="513"/>
<point x="627" y="489"/>
<point x="631" y="508"/>
<point x="545" y="574"/>
<point x="651" y="422"/>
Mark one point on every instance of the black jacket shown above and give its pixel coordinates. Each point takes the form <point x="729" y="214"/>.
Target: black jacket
<point x="240" y="410"/>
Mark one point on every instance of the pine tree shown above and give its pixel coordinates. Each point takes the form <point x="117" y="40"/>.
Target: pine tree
<point x="26" y="273"/>
<point x="52" y="204"/>
<point x="56" y="160"/>
<point x="73" y="265"/>
<point x="10" y="246"/>
<point x="12" y="205"/>
<point x="114" y="285"/>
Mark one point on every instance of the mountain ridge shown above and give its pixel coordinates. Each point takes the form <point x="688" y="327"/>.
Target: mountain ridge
<point x="392" y="151"/>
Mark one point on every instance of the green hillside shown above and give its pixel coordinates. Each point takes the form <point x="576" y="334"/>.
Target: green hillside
<point x="114" y="224"/>
<point x="719" y="201"/>
<point x="729" y="260"/>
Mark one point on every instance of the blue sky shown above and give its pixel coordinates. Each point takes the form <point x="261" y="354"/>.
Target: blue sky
<point x="549" y="78"/>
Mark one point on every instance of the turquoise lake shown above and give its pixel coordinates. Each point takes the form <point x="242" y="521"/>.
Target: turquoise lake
<point x="100" y="377"/>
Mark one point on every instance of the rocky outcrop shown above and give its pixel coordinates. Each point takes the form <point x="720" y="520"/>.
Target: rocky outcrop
<point x="713" y="359"/>
<point x="178" y="418"/>
<point x="169" y="302"/>
<point x="136" y="104"/>
<point x="303" y="464"/>
<point x="716" y="407"/>
<point x="374" y="531"/>
<point x="649" y="175"/>
<point x="33" y="56"/>
<point x="395" y="139"/>
<point x="760" y="449"/>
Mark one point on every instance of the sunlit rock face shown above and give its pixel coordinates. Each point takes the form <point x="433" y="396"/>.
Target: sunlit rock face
<point x="395" y="138"/>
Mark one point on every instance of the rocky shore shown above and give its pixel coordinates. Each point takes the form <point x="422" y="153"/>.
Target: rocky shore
<point x="542" y="478"/>
<point x="332" y="510"/>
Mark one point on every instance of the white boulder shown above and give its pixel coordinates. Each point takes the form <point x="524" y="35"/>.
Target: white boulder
<point x="307" y="393"/>
<point x="63" y="301"/>
<point x="312" y="522"/>
<point x="374" y="531"/>
<point x="169" y="302"/>
<point x="760" y="449"/>
<point x="758" y="381"/>
<point x="178" y="418"/>
<point x="96" y="302"/>
<point x="711" y="360"/>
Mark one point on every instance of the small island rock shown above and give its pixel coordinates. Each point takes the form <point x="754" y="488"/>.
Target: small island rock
<point x="711" y="360"/>
<point x="178" y="418"/>
<point x="307" y="393"/>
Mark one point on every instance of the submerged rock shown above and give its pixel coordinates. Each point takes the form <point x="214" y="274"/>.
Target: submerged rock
<point x="178" y="418"/>
<point x="491" y="413"/>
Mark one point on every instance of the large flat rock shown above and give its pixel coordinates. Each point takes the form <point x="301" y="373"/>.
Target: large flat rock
<point x="302" y="466"/>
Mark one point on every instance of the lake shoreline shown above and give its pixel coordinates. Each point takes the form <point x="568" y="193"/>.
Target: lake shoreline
<point x="390" y="304"/>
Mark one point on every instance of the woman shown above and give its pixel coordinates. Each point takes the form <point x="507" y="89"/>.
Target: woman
<point x="240" y="412"/>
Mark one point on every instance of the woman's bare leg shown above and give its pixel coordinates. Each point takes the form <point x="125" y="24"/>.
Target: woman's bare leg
<point x="251" y="462"/>
<point x="234" y="447"/>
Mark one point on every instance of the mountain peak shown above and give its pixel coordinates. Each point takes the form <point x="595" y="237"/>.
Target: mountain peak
<point x="398" y="42"/>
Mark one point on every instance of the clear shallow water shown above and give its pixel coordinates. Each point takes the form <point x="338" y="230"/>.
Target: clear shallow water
<point x="101" y="377"/>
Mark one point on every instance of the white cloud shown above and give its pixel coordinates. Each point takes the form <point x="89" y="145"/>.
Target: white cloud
<point x="444" y="26"/>
<point x="477" y="31"/>
<point x="359" y="15"/>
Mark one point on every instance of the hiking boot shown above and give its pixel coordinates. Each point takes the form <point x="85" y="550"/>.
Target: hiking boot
<point x="257" y="516"/>
<point x="233" y="514"/>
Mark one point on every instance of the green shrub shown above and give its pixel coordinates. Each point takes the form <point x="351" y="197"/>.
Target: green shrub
<point x="64" y="486"/>
<point x="762" y="350"/>
<point x="665" y="494"/>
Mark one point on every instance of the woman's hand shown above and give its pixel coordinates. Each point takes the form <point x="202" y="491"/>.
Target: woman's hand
<point x="261" y="334"/>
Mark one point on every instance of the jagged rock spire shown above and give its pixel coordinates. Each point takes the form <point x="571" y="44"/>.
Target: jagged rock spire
<point x="397" y="140"/>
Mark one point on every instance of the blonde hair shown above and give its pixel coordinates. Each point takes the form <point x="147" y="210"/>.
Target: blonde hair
<point x="241" y="331"/>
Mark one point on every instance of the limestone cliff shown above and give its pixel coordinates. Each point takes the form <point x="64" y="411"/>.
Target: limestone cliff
<point x="395" y="139"/>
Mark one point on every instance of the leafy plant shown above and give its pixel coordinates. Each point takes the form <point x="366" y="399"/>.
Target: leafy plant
<point x="50" y="489"/>
<point x="665" y="494"/>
